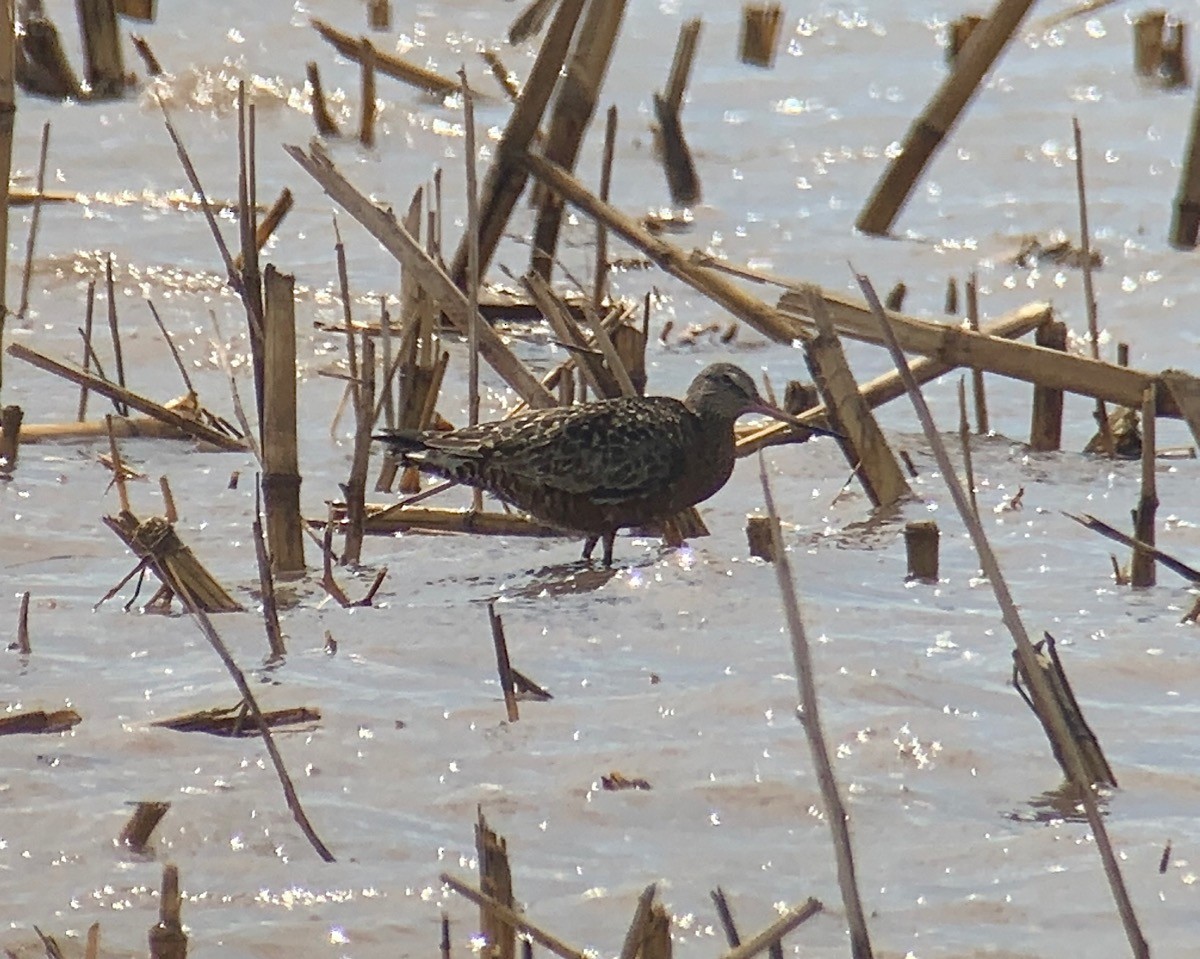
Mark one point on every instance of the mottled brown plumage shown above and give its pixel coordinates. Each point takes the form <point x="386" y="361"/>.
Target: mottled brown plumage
<point x="598" y="467"/>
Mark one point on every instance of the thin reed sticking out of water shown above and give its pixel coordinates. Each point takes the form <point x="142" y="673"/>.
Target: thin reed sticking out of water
<point x="810" y="719"/>
<point x="1039" y="685"/>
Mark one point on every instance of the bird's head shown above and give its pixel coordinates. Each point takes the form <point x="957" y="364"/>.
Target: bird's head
<point x="725" y="391"/>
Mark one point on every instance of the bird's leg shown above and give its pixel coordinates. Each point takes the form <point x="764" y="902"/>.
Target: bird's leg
<point x="609" y="537"/>
<point x="589" y="544"/>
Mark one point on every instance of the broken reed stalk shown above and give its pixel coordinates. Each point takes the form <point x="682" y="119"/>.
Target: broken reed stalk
<point x="34" y="220"/>
<point x="1141" y="567"/>
<point x="517" y="920"/>
<point x="266" y="581"/>
<point x="179" y="365"/>
<point x="862" y="441"/>
<point x="117" y="466"/>
<point x="473" y="278"/>
<point x="141" y="824"/>
<point x="671" y="258"/>
<point x="1111" y="532"/>
<point x="637" y="925"/>
<point x="495" y="880"/>
<point x="981" y="411"/>
<point x="239" y="678"/>
<point x="399" y="242"/>
<point x="354" y="48"/>
<point x="104" y="66"/>
<point x="114" y="330"/>
<point x="574" y="104"/>
<point x="249" y="276"/>
<point x="503" y="664"/>
<point x="23" y="646"/>
<point x="964" y="437"/>
<point x="8" y="112"/>
<point x="1039" y="685"/>
<point x="253" y="307"/>
<point x="169" y="509"/>
<point x="1089" y="291"/>
<point x="600" y="276"/>
<point x="1045" y="431"/>
<point x="167" y="938"/>
<point x="364" y="423"/>
<point x="1185" y="224"/>
<point x="506" y="176"/>
<point x="281" y="464"/>
<point x="10" y="436"/>
<point x="366" y="127"/>
<point x="387" y="395"/>
<point x="930" y="129"/>
<point x="810" y="720"/>
<point x="86" y="333"/>
<point x="326" y="125"/>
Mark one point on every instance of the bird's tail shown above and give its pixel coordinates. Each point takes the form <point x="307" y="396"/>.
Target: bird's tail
<point x="402" y="441"/>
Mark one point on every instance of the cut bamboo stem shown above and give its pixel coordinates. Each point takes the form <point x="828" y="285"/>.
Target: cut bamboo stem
<point x="921" y="540"/>
<point x="167" y="938"/>
<point x="1040" y="690"/>
<point x="681" y="64"/>
<point x="23" y="645"/>
<point x="86" y="332"/>
<point x="281" y="467"/>
<point x="34" y="220"/>
<point x="934" y="124"/>
<point x="1045" y="433"/>
<point x="366" y="128"/>
<point x="11" y="418"/>
<point x="104" y="67"/>
<point x="1141" y="567"/>
<point x="759" y="38"/>
<point x="141" y="824"/>
<point x="1185" y="225"/>
<point x="495" y="880"/>
<point x="574" y="104"/>
<point x="379" y="15"/>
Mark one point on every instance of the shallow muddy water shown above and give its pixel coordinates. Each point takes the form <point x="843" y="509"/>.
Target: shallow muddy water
<point x="675" y="669"/>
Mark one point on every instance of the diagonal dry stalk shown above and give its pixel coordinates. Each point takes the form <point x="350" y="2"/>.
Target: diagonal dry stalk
<point x="239" y="678"/>
<point x="1039" y="685"/>
<point x="810" y="719"/>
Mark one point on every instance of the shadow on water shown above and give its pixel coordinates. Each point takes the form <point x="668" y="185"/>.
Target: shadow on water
<point x="1062" y="804"/>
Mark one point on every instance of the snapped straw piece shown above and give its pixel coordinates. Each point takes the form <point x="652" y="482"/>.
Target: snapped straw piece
<point x="398" y="241"/>
<point x="810" y="720"/>
<point x="931" y="128"/>
<point x="1039" y="686"/>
